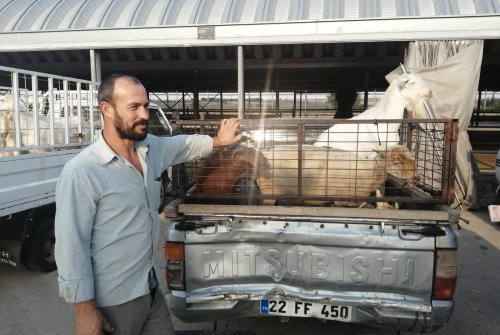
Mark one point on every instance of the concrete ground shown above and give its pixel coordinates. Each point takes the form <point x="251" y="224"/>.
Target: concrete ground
<point x="29" y="302"/>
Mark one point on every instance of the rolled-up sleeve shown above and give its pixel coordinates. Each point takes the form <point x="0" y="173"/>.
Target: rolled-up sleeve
<point x="75" y="210"/>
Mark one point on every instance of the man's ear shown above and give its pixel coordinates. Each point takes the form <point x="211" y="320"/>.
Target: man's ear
<point x="106" y="108"/>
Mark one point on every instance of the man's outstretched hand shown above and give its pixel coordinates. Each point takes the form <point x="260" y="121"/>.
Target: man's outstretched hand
<point x="227" y="133"/>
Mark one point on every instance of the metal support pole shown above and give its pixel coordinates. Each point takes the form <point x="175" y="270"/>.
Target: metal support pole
<point x="79" y="107"/>
<point x="183" y="102"/>
<point x="196" y="96"/>
<point x="34" y="92"/>
<point x="294" y="103"/>
<point x="367" y="83"/>
<point x="67" y="112"/>
<point x="95" y="65"/>
<point x="17" y="116"/>
<point x="92" y="136"/>
<point x="300" y="103"/>
<point x="241" y="83"/>
<point x="51" y="111"/>
<point x="478" y="110"/>
<point x="278" y="114"/>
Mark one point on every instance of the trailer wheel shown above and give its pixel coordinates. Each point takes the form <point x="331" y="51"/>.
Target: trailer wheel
<point x="38" y="250"/>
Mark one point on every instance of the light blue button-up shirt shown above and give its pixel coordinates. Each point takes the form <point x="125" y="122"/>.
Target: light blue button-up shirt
<point x="106" y="223"/>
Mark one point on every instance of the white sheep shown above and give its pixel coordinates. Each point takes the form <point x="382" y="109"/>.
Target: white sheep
<point x="28" y="133"/>
<point x="363" y="139"/>
<point x="7" y="136"/>
<point x="26" y="125"/>
<point x="328" y="172"/>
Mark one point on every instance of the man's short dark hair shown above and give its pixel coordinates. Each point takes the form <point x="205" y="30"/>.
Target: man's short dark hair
<point x="107" y="87"/>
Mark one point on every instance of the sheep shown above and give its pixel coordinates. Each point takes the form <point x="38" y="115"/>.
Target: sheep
<point x="368" y="136"/>
<point x="328" y="172"/>
<point x="7" y="103"/>
<point x="7" y="131"/>
<point x="6" y="135"/>
<point x="27" y="126"/>
<point x="27" y="130"/>
<point x="223" y="169"/>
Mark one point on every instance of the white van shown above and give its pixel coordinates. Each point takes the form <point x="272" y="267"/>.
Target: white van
<point x="158" y="122"/>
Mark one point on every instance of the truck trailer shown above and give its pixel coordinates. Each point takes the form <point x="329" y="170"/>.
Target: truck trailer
<point x="35" y="144"/>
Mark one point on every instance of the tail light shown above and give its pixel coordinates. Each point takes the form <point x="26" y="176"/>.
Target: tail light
<point x="445" y="279"/>
<point x="174" y="270"/>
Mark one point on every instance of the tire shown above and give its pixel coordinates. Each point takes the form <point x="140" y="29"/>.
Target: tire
<point x="38" y="249"/>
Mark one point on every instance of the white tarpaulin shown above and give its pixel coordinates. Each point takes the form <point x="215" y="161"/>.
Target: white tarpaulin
<point x="451" y="69"/>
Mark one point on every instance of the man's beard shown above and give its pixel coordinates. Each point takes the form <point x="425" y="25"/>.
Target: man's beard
<point x="130" y="133"/>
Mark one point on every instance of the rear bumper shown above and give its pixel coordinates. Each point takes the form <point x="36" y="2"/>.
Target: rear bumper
<point x="373" y="312"/>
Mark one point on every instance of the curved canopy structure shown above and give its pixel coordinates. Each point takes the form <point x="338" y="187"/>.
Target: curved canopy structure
<point x="313" y="44"/>
<point x="73" y="24"/>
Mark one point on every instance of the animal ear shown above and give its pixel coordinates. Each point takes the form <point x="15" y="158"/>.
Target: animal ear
<point x="236" y="156"/>
<point x="241" y="157"/>
<point x="403" y="82"/>
<point x="381" y="152"/>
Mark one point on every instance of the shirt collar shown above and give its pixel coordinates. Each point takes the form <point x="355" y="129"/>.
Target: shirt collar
<point x="105" y="154"/>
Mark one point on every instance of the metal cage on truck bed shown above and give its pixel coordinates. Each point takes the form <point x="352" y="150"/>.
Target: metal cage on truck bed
<point x="277" y="163"/>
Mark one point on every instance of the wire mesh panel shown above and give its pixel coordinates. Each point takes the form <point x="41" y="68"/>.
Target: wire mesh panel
<point x="305" y="162"/>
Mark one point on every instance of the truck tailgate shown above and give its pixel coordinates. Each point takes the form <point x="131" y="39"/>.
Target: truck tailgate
<point x="365" y="258"/>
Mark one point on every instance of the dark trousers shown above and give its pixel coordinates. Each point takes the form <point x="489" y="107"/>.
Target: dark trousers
<point x="146" y="315"/>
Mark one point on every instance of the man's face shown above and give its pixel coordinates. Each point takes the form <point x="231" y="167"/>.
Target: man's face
<point x="130" y="105"/>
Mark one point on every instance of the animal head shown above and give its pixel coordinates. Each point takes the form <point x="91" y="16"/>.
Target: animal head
<point x="6" y="120"/>
<point x="6" y="133"/>
<point x="251" y="158"/>
<point x="7" y="103"/>
<point x="399" y="162"/>
<point x="222" y="169"/>
<point x="413" y="88"/>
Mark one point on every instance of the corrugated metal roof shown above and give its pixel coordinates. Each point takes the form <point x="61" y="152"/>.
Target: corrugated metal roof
<point x="312" y="44"/>
<point x="36" y="15"/>
<point x="28" y="25"/>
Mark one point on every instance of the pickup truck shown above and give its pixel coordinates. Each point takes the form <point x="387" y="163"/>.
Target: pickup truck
<point x="242" y="253"/>
<point x="35" y="145"/>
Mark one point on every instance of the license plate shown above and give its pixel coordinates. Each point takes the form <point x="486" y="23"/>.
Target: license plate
<point x="305" y="309"/>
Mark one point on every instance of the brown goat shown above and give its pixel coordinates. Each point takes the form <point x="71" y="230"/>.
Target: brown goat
<point x="222" y="169"/>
